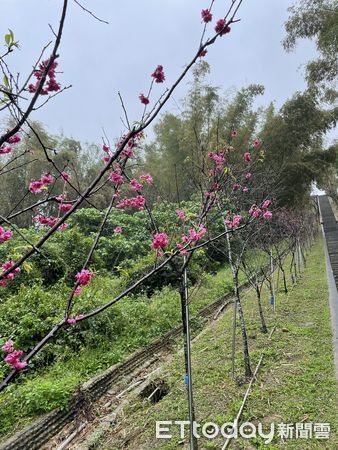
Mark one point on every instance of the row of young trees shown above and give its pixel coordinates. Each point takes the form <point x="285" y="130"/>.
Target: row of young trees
<point x="237" y="164"/>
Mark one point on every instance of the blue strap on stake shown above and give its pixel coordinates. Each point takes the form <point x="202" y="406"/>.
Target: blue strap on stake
<point x="186" y="379"/>
<point x="272" y="300"/>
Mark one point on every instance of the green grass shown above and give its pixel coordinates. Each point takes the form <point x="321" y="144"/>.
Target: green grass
<point x="138" y="321"/>
<point x="296" y="381"/>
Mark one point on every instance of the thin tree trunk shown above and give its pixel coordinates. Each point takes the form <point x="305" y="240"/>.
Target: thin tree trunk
<point x="233" y="350"/>
<point x="260" y="309"/>
<point x="291" y="270"/>
<point x="248" y="371"/>
<point x="280" y="264"/>
<point x="187" y="356"/>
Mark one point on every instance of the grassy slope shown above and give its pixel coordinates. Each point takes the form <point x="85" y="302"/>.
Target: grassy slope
<point x="296" y="381"/>
<point x="140" y="321"/>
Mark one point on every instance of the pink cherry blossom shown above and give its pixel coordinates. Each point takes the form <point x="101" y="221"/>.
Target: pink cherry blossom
<point x="84" y="277"/>
<point x="36" y="187"/>
<point x="246" y="190"/>
<point x="13" y="359"/>
<point x="52" y="85"/>
<point x="65" y="207"/>
<point x="135" y="185"/>
<point x="267" y="214"/>
<point x="221" y="28"/>
<point x="105" y="148"/>
<point x="14" y="139"/>
<point x="47" y="178"/>
<point x="44" y="220"/>
<point x="256" y="142"/>
<point x="236" y="186"/>
<point x="116" y="178"/>
<point x="248" y="175"/>
<point x="158" y="74"/>
<point x="247" y="157"/>
<point x="206" y="15"/>
<point x="5" y="150"/>
<point x="11" y="275"/>
<point x="160" y="241"/>
<point x="19" y="365"/>
<point x="8" y="346"/>
<point x="147" y="178"/>
<point x="233" y="223"/>
<point x="181" y="214"/>
<point x="233" y="133"/>
<point x="118" y="230"/>
<point x="5" y="235"/>
<point x="194" y="235"/>
<point x="266" y="204"/>
<point x="143" y="99"/>
<point x="256" y="213"/>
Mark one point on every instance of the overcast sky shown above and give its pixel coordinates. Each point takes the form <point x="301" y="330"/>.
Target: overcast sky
<point x="99" y="60"/>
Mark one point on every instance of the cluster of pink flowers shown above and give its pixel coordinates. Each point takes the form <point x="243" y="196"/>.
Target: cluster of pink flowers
<point x="134" y="202"/>
<point x="233" y="223"/>
<point x="116" y="178"/>
<point x="5" y="149"/>
<point x="108" y="155"/>
<point x="5" y="235"/>
<point x="267" y="214"/>
<point x="45" y="220"/>
<point x="181" y="214"/>
<point x="256" y="142"/>
<point x="147" y="178"/>
<point x="194" y="235"/>
<point x="219" y="159"/>
<point x="160" y="240"/>
<point x="206" y="15"/>
<point x="221" y="27"/>
<point x="52" y="85"/>
<point x="84" y="277"/>
<point x="35" y="187"/>
<point x="15" y="139"/>
<point x="73" y="320"/>
<point x="13" y="356"/>
<point x="158" y="74"/>
<point x="254" y="211"/>
<point x="118" y="230"/>
<point x="135" y="185"/>
<point x="64" y="207"/>
<point x="49" y="221"/>
<point x="143" y="99"/>
<point x="5" y="266"/>
<point x="265" y="205"/>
